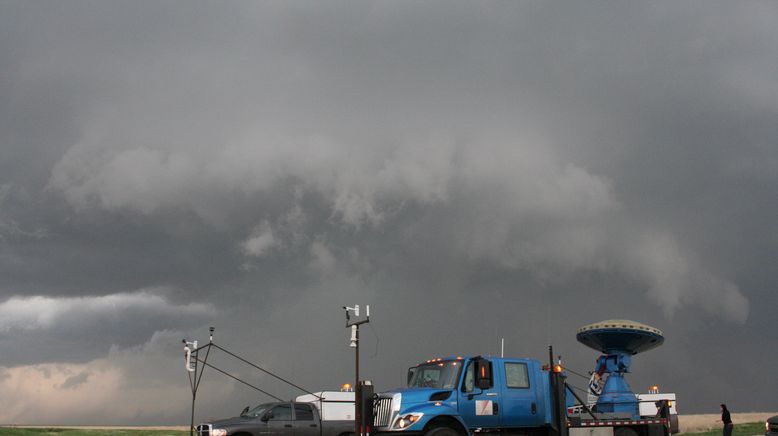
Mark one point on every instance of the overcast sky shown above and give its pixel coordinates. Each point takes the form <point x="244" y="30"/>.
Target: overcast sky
<point x="472" y="170"/>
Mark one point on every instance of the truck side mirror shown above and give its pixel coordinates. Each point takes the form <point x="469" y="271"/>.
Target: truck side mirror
<point x="411" y="373"/>
<point x="245" y="409"/>
<point x="483" y="373"/>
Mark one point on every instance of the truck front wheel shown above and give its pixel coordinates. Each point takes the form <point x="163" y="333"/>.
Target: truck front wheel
<point x="442" y="431"/>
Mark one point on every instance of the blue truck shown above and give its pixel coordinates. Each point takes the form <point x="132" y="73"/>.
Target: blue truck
<point x="461" y="396"/>
<point x="457" y="396"/>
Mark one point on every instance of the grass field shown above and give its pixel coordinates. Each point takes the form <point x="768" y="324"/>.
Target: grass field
<point x="709" y="424"/>
<point x="750" y="429"/>
<point x="8" y="431"/>
<point x="741" y="429"/>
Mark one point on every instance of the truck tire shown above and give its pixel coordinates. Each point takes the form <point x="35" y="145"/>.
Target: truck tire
<point x="624" y="431"/>
<point x="442" y="431"/>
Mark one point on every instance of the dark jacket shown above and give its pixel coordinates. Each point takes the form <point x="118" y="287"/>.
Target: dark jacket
<point x="725" y="418"/>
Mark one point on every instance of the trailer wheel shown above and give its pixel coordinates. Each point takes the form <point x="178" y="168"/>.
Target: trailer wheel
<point x="442" y="431"/>
<point x="624" y="431"/>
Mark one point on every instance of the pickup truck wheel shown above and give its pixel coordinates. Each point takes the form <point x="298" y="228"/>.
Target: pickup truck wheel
<point x="625" y="431"/>
<point x="444" y="431"/>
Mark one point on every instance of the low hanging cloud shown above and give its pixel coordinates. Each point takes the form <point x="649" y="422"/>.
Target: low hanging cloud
<point x="675" y="279"/>
<point x="261" y="240"/>
<point x="353" y="180"/>
<point x="74" y="381"/>
<point x="42" y="313"/>
<point x="77" y="329"/>
<point x="511" y="202"/>
<point x="322" y="259"/>
<point x="10" y="227"/>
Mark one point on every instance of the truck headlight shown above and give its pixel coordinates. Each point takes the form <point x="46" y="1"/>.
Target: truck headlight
<point x="218" y="432"/>
<point x="407" y="420"/>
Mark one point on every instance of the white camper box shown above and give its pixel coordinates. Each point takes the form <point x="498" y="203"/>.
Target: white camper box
<point x="333" y="405"/>
<point x="647" y="403"/>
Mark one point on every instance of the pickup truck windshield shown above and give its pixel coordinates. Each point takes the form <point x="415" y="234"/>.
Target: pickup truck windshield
<point x="259" y="410"/>
<point x="438" y="375"/>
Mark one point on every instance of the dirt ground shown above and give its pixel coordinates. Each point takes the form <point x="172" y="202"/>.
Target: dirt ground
<point x="699" y="423"/>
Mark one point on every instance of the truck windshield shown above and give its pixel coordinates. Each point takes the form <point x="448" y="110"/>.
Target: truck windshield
<point x="259" y="410"/>
<point x="438" y="375"/>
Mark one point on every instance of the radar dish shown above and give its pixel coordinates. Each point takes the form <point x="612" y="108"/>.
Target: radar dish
<point x="620" y="335"/>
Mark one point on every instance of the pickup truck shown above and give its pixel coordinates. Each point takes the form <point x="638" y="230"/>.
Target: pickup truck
<point x="771" y="426"/>
<point x="278" y="419"/>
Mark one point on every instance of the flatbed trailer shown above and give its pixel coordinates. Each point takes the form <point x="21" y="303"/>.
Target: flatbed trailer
<point x="627" y="427"/>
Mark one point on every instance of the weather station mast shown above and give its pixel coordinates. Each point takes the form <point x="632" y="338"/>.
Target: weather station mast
<point x="359" y="426"/>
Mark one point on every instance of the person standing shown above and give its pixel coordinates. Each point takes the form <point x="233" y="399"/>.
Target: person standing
<point x="727" y="420"/>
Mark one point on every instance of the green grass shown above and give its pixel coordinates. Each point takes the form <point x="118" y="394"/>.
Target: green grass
<point x="750" y="429"/>
<point x="6" y="431"/>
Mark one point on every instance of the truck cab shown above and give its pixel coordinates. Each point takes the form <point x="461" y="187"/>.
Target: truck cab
<point x="465" y="394"/>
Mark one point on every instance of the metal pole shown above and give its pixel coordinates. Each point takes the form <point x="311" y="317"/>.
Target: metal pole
<point x="551" y="357"/>
<point x="553" y="384"/>
<point x="585" y="406"/>
<point x="357" y="391"/>
<point x="355" y="343"/>
<point x="194" y="395"/>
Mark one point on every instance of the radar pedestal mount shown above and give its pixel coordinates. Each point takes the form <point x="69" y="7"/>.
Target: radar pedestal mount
<point x="618" y="340"/>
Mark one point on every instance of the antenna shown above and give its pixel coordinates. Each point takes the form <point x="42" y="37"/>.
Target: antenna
<point x="354" y="309"/>
<point x="502" y="347"/>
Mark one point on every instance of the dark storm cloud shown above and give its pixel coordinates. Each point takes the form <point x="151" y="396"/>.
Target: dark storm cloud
<point x="76" y="380"/>
<point x="472" y="170"/>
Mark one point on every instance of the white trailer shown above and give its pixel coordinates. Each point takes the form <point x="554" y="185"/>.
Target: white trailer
<point x="332" y="405"/>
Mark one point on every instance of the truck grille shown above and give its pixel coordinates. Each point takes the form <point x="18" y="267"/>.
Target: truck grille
<point x="203" y="430"/>
<point x="382" y="412"/>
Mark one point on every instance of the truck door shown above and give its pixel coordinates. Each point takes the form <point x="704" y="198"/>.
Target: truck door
<point x="278" y="421"/>
<point x="521" y="405"/>
<point x="479" y="407"/>
<point x="305" y="422"/>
